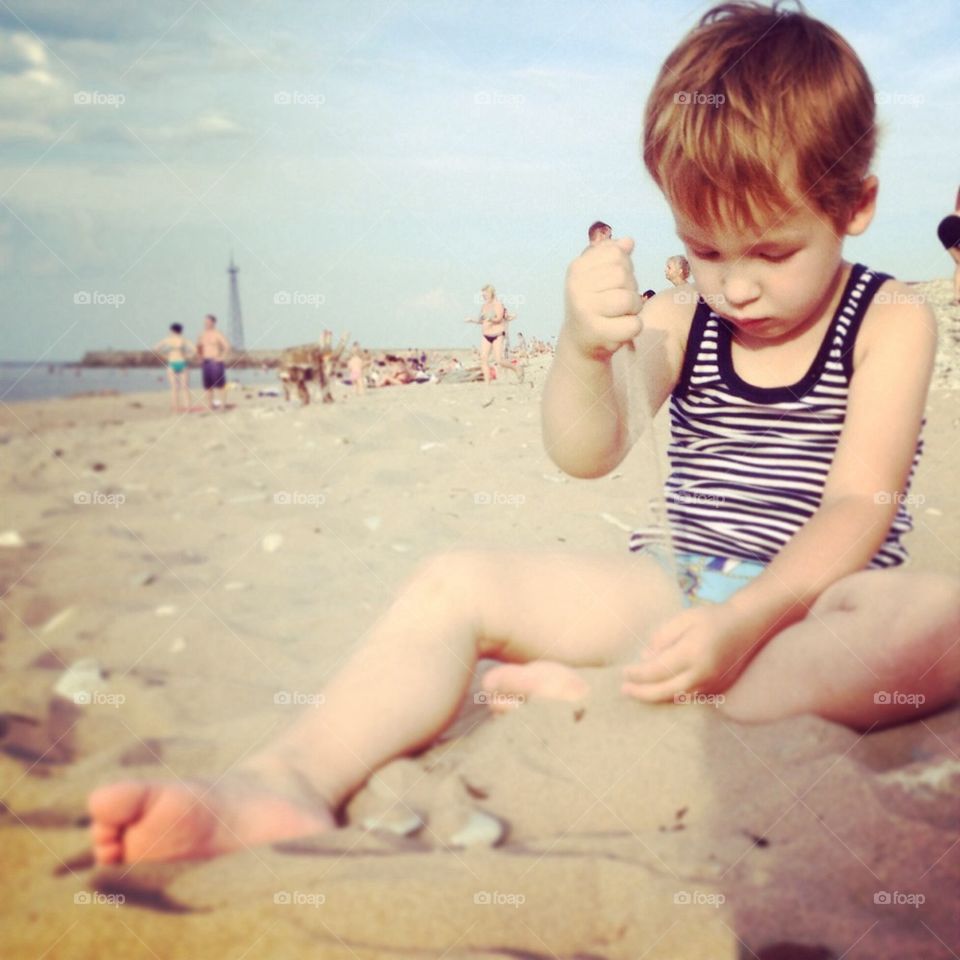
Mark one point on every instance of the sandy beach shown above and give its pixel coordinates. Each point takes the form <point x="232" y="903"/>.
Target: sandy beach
<point x="219" y="567"/>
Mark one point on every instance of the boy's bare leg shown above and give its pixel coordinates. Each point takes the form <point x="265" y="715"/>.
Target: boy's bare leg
<point x="400" y="689"/>
<point x="878" y="647"/>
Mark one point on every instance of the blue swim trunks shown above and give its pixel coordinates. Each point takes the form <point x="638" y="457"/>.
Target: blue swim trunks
<point x="703" y="579"/>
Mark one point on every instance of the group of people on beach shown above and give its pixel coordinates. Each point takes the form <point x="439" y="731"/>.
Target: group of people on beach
<point x="212" y="348"/>
<point x="796" y="396"/>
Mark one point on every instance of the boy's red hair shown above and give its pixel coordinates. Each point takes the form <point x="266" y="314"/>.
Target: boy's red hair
<point x="757" y="109"/>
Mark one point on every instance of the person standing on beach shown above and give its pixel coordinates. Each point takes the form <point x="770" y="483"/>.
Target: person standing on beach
<point x="493" y="320"/>
<point x="949" y="233"/>
<point x="213" y="348"/>
<point x="177" y="349"/>
<point x="355" y="365"/>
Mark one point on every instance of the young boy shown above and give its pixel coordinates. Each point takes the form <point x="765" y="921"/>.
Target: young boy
<point x="796" y="406"/>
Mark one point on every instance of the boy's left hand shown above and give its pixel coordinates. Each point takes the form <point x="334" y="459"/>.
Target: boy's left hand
<point x="703" y="649"/>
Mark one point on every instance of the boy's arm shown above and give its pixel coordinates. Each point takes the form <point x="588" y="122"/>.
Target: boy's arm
<point x="885" y="407"/>
<point x="601" y="348"/>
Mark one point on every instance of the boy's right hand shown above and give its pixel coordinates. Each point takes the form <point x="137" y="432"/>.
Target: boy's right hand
<point x="602" y="300"/>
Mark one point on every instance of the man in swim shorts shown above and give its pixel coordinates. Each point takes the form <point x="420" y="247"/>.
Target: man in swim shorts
<point x="213" y="347"/>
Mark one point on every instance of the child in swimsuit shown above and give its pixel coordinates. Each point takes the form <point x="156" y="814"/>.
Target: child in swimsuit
<point x="178" y="348"/>
<point x="796" y="398"/>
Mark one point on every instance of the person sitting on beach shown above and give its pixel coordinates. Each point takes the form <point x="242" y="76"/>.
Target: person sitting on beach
<point x="949" y="233"/>
<point x="213" y="347"/>
<point x="599" y="231"/>
<point x="178" y="349"/>
<point x="493" y="320"/>
<point x="796" y="396"/>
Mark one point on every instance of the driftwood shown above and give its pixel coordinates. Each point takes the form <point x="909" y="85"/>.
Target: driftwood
<point x="311" y="362"/>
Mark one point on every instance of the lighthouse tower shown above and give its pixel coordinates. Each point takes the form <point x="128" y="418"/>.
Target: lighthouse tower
<point x="236" y="317"/>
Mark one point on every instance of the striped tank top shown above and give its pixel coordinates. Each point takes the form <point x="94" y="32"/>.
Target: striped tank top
<point x="748" y="464"/>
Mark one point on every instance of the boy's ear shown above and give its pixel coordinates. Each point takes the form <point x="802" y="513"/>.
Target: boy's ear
<point x="863" y="211"/>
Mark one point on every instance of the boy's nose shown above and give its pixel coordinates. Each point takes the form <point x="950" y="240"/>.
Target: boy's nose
<point x="739" y="289"/>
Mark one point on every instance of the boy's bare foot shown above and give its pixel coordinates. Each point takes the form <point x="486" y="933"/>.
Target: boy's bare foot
<point x="135" y="821"/>
<point x="509" y="685"/>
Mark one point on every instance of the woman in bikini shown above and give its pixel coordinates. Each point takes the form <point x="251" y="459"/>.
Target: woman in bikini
<point x="177" y="348"/>
<point x="493" y="320"/>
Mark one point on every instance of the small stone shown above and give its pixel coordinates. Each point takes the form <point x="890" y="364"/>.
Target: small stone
<point x="10" y="538"/>
<point x="178" y="644"/>
<point x="429" y="445"/>
<point x="372" y="523"/>
<point x="58" y="619"/>
<point x="165" y="610"/>
<point x="272" y="542"/>
<point x="81" y="677"/>
<point x="143" y="579"/>
<point x="934" y="512"/>
<point x="235" y="585"/>
<point x="480" y="830"/>
<point x="400" y="821"/>
<point x="400" y="547"/>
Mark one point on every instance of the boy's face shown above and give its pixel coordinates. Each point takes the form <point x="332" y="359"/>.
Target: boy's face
<point x="768" y="281"/>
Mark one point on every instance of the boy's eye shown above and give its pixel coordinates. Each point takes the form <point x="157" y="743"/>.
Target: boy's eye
<point x="704" y="254"/>
<point x="777" y="257"/>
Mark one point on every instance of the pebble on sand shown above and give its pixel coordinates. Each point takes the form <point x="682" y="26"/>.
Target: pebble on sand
<point x="82" y="676"/>
<point x="272" y="542"/>
<point x="10" y="538"/>
<point x="165" y="610"/>
<point x="480" y="830"/>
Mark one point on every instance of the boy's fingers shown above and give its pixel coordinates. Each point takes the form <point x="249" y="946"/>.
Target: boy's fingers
<point x="666" y="665"/>
<point x="655" y="693"/>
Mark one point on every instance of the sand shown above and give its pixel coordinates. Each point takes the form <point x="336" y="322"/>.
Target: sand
<point x="219" y="567"/>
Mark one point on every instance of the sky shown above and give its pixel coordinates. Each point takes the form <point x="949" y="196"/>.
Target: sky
<point x="371" y="165"/>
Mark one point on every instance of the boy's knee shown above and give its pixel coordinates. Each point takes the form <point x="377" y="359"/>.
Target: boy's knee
<point x="456" y="579"/>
